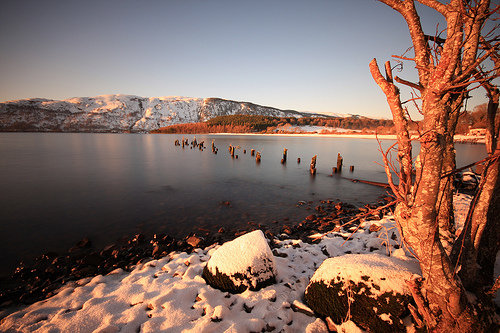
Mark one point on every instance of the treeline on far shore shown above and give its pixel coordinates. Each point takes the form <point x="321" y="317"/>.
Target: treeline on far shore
<point x="268" y="124"/>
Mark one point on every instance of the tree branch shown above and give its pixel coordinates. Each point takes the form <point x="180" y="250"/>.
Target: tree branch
<point x="436" y="5"/>
<point x="388" y="173"/>
<point x="403" y="58"/>
<point x="472" y="68"/>
<point x="394" y="4"/>
<point x="422" y="52"/>
<point x="409" y="84"/>
<point x="401" y="123"/>
<point x="435" y="39"/>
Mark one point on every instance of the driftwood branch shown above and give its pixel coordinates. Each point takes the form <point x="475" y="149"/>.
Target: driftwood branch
<point x="357" y="217"/>
<point x="369" y="182"/>
<point x="489" y="158"/>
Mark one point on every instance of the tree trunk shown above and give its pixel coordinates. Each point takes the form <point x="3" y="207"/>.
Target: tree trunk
<point x="490" y="242"/>
<point x="478" y="244"/>
<point x="445" y="201"/>
<point x="446" y="216"/>
<point x="440" y="287"/>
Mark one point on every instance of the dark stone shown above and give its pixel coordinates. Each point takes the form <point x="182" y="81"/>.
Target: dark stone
<point x="311" y="217"/>
<point x="138" y="239"/>
<point x="286" y="229"/>
<point x="248" y="309"/>
<point x="93" y="259"/>
<point x="279" y="254"/>
<point x="81" y="245"/>
<point x="156" y="250"/>
<point x="193" y="241"/>
<point x="225" y="283"/>
<point x="332" y="300"/>
<point x="84" y="243"/>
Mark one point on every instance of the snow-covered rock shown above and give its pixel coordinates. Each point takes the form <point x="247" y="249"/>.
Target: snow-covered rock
<point x="369" y="289"/>
<point x="121" y="113"/>
<point x="243" y="263"/>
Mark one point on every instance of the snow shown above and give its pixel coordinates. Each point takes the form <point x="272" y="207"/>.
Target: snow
<point x="123" y="112"/>
<point x="356" y="268"/>
<point x="169" y="294"/>
<point x="313" y="129"/>
<point x="247" y="253"/>
<point x="348" y="327"/>
<point x="461" y="204"/>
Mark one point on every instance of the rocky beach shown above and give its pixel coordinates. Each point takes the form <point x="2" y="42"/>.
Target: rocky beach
<point x="152" y="283"/>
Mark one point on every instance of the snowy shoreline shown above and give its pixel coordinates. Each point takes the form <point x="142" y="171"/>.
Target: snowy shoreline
<point x="458" y="138"/>
<point x="169" y="294"/>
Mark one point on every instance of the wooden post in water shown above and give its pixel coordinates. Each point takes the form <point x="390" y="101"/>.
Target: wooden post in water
<point x="312" y="168"/>
<point x="283" y="160"/>
<point x="257" y="157"/>
<point x="351" y="168"/>
<point x="252" y="152"/>
<point x="339" y="163"/>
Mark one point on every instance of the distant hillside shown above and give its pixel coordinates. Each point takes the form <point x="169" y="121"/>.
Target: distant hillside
<point x="123" y="113"/>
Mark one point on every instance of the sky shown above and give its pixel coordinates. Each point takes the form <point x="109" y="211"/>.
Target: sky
<point x="301" y="55"/>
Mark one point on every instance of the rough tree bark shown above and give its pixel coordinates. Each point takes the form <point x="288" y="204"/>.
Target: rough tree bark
<point x="481" y="236"/>
<point x="424" y="210"/>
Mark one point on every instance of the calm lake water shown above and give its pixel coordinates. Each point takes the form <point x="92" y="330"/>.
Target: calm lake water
<point x="57" y="188"/>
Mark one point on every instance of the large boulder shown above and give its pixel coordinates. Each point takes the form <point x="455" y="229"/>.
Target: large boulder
<point x="243" y="263"/>
<point x="370" y="288"/>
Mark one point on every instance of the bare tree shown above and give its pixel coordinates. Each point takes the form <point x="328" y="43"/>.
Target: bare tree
<point x="448" y="68"/>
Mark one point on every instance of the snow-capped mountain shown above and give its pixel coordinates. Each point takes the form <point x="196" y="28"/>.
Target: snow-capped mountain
<point x="122" y="113"/>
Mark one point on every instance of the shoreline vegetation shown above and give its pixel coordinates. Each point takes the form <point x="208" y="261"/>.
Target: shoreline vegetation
<point x="352" y="127"/>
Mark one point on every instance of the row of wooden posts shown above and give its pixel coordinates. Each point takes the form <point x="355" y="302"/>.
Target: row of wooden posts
<point x="258" y="157"/>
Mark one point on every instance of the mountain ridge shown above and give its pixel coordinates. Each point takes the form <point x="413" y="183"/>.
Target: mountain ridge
<point x="124" y="113"/>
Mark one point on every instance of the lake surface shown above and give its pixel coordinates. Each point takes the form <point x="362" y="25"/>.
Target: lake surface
<point x="56" y="188"/>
